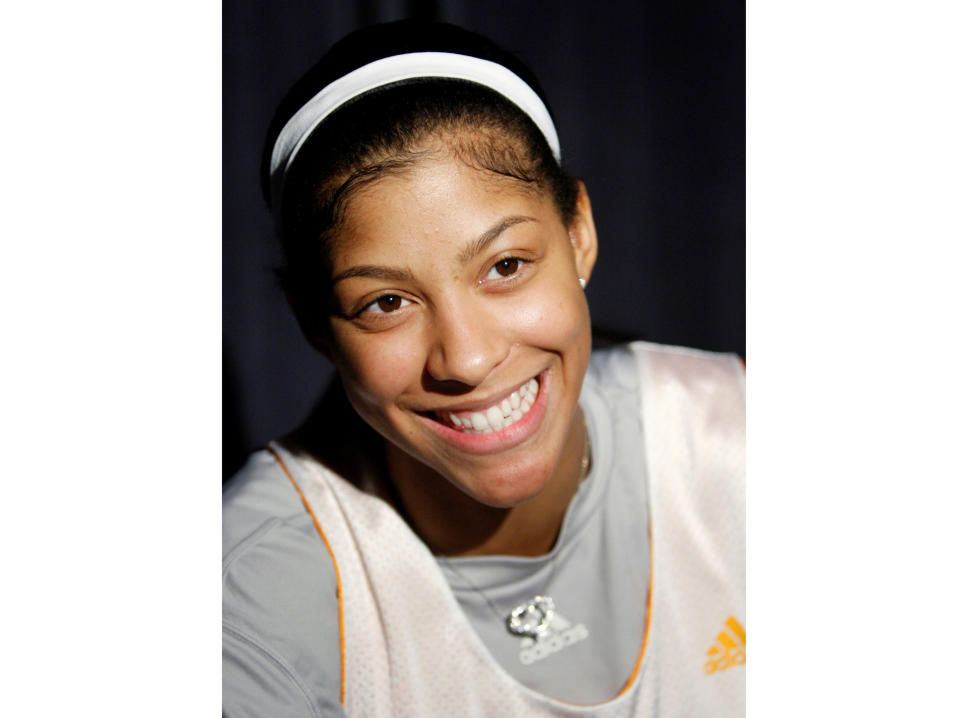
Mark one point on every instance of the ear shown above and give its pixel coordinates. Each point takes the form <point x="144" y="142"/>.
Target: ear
<point x="583" y="235"/>
<point x="310" y="327"/>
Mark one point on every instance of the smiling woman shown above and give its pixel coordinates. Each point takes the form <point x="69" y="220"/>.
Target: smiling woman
<point x="480" y="283"/>
<point x="471" y="524"/>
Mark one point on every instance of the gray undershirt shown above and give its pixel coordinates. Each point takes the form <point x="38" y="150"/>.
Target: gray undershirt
<point x="281" y="637"/>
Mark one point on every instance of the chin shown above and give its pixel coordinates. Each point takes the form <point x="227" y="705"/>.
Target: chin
<point x="502" y="491"/>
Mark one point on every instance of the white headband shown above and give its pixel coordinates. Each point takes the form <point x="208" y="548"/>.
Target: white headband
<point x="395" y="69"/>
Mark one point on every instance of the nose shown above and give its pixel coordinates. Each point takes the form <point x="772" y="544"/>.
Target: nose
<point x="467" y="343"/>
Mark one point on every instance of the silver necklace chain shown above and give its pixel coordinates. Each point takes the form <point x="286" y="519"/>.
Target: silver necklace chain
<point x="531" y="618"/>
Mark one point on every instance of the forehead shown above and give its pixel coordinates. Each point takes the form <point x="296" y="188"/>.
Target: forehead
<point x="433" y="205"/>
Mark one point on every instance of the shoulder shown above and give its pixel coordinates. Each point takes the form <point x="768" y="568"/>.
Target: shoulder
<point x="672" y="388"/>
<point x="686" y="355"/>
<point x="259" y="493"/>
<point x="267" y="530"/>
<point x="680" y="376"/>
<point x="280" y="606"/>
<point x="627" y="365"/>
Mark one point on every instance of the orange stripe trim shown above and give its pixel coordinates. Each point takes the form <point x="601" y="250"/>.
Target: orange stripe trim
<point x="336" y="570"/>
<point x="646" y="628"/>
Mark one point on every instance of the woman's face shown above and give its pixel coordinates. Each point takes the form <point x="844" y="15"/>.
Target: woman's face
<point x="461" y="333"/>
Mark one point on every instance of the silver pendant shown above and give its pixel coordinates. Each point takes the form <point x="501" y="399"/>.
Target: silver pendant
<point x="531" y="618"/>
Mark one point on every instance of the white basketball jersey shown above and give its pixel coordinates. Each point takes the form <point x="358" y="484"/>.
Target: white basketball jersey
<point x="408" y="650"/>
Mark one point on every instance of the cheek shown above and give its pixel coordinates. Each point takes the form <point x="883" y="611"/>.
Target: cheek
<point x="377" y="368"/>
<point x="555" y="320"/>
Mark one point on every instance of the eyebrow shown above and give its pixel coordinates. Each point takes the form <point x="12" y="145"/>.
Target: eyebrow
<point x="475" y="247"/>
<point x="478" y="245"/>
<point x="375" y="272"/>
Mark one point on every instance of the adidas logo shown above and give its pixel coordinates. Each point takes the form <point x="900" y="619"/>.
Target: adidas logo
<point x="559" y="634"/>
<point x="729" y="650"/>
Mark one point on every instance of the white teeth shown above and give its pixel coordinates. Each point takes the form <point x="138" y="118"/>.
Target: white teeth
<point x="529" y="389"/>
<point x="497" y="417"/>
<point x="479" y="421"/>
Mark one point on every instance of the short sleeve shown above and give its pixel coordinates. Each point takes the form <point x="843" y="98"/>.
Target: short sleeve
<point x="281" y="646"/>
<point x="259" y="684"/>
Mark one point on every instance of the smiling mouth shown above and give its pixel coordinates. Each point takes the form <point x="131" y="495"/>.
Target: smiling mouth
<point x="496" y="416"/>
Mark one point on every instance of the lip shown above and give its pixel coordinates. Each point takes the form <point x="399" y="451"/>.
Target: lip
<point x="495" y="441"/>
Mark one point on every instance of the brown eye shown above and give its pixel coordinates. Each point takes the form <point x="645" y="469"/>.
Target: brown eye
<point x="389" y="303"/>
<point x="506" y="267"/>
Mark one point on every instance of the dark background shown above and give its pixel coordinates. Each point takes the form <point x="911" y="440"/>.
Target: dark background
<point x="649" y="105"/>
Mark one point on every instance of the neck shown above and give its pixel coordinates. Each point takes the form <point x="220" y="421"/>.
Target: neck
<point x="452" y="523"/>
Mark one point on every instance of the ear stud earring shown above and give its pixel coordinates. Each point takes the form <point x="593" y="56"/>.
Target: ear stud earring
<point x="583" y="282"/>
